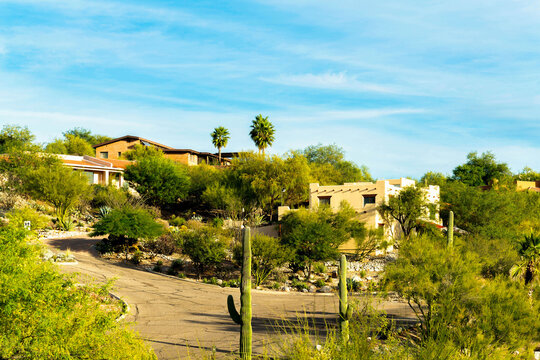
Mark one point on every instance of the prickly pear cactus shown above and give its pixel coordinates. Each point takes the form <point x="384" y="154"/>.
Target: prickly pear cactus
<point x="244" y="318"/>
<point x="345" y="311"/>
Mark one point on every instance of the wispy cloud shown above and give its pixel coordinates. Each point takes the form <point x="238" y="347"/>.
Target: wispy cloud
<point x="331" y="81"/>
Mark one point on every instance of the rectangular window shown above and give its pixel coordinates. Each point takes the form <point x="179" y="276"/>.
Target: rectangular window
<point x="119" y="154"/>
<point x="369" y="199"/>
<point x="104" y="154"/>
<point x="324" y="200"/>
<point x="90" y="176"/>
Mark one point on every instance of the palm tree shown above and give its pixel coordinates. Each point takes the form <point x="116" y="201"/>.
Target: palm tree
<point x="262" y="132"/>
<point x="220" y="137"/>
<point x="529" y="266"/>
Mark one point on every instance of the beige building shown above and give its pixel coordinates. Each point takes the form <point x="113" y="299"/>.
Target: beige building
<point x="98" y="171"/>
<point x="113" y="149"/>
<point x="365" y="197"/>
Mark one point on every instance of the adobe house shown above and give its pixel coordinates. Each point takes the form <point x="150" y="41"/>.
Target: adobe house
<point x="113" y="149"/>
<point x="365" y="198"/>
<point x="98" y="171"/>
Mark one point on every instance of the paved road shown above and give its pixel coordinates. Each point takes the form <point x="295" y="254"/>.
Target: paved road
<point x="181" y="317"/>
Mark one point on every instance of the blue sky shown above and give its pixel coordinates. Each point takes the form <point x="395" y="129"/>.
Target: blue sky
<point x="403" y="86"/>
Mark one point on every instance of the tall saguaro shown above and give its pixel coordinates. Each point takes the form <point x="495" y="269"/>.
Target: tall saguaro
<point x="244" y="318"/>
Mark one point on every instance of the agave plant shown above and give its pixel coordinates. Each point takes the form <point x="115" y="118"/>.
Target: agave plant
<point x="529" y="266"/>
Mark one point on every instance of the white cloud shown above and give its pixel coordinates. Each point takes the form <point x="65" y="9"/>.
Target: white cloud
<point x="331" y="81"/>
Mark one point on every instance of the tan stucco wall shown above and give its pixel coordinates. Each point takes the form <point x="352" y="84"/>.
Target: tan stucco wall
<point x="354" y="193"/>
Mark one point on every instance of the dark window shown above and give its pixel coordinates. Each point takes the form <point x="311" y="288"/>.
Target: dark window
<point x="119" y="154"/>
<point x="369" y="199"/>
<point x="104" y="154"/>
<point x="324" y="200"/>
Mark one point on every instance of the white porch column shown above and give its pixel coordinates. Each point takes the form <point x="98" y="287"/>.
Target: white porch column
<point x="106" y="178"/>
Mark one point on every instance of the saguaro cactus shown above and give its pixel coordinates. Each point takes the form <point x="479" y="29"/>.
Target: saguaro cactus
<point x="244" y="318"/>
<point x="450" y="231"/>
<point x="345" y="311"/>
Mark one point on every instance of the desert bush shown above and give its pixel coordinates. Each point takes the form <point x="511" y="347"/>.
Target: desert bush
<point x="177" y="221"/>
<point x="125" y="226"/>
<point x="205" y="247"/>
<point x="166" y="244"/>
<point x="267" y="254"/>
<point x="17" y="217"/>
<point x="47" y="315"/>
<point x="108" y="196"/>
<point x="136" y="257"/>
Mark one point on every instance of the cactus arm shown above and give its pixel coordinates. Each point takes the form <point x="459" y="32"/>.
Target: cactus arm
<point x="349" y="312"/>
<point x="450" y="231"/>
<point x="235" y="316"/>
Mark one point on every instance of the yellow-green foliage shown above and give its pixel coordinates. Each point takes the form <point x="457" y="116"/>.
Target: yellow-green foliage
<point x="17" y="217"/>
<point x="44" y="315"/>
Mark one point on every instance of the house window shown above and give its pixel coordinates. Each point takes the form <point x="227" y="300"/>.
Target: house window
<point x="324" y="200"/>
<point x="119" y="154"/>
<point x="104" y="154"/>
<point x="369" y="199"/>
<point x="90" y="176"/>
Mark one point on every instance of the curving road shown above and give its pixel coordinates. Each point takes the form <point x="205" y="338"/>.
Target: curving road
<point x="182" y="317"/>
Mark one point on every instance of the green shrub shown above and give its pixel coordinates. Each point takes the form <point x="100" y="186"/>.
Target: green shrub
<point x="319" y="268"/>
<point x="17" y="217"/>
<point x="177" y="221"/>
<point x="205" y="247"/>
<point x="176" y="266"/>
<point x="353" y="285"/>
<point x="181" y="275"/>
<point x="217" y="222"/>
<point x="125" y="226"/>
<point x="137" y="257"/>
<point x="158" y="267"/>
<point x="267" y="255"/>
<point x="320" y="283"/>
<point x="65" y="320"/>
<point x="299" y="285"/>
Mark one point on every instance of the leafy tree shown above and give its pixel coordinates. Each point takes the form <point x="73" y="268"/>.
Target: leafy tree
<point x="125" y="226"/>
<point x="47" y="315"/>
<point x="160" y="181"/>
<point x="13" y="137"/>
<point x="262" y="132"/>
<point x="86" y="135"/>
<point x="502" y="214"/>
<point x="205" y="247"/>
<point x="62" y="187"/>
<point x="262" y="182"/>
<point x="316" y="235"/>
<point x="223" y="200"/>
<point x="140" y="151"/>
<point x="72" y="145"/>
<point x="529" y="266"/>
<point x="528" y="174"/>
<point x="481" y="170"/>
<point x="406" y="208"/>
<point x="267" y="255"/>
<point x="433" y="178"/>
<point x="454" y="306"/>
<point x="220" y="137"/>
<point x="329" y="167"/>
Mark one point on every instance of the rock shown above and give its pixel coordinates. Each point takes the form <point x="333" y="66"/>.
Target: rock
<point x="47" y="255"/>
<point x="312" y="289"/>
<point x="356" y="278"/>
<point x="325" y="289"/>
<point x="335" y="274"/>
<point x="305" y="290"/>
<point x="285" y="288"/>
<point x="300" y="273"/>
<point x="219" y="282"/>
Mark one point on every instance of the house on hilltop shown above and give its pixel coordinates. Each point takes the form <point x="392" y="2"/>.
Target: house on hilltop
<point x="113" y="149"/>
<point x="365" y="198"/>
<point x="98" y="171"/>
